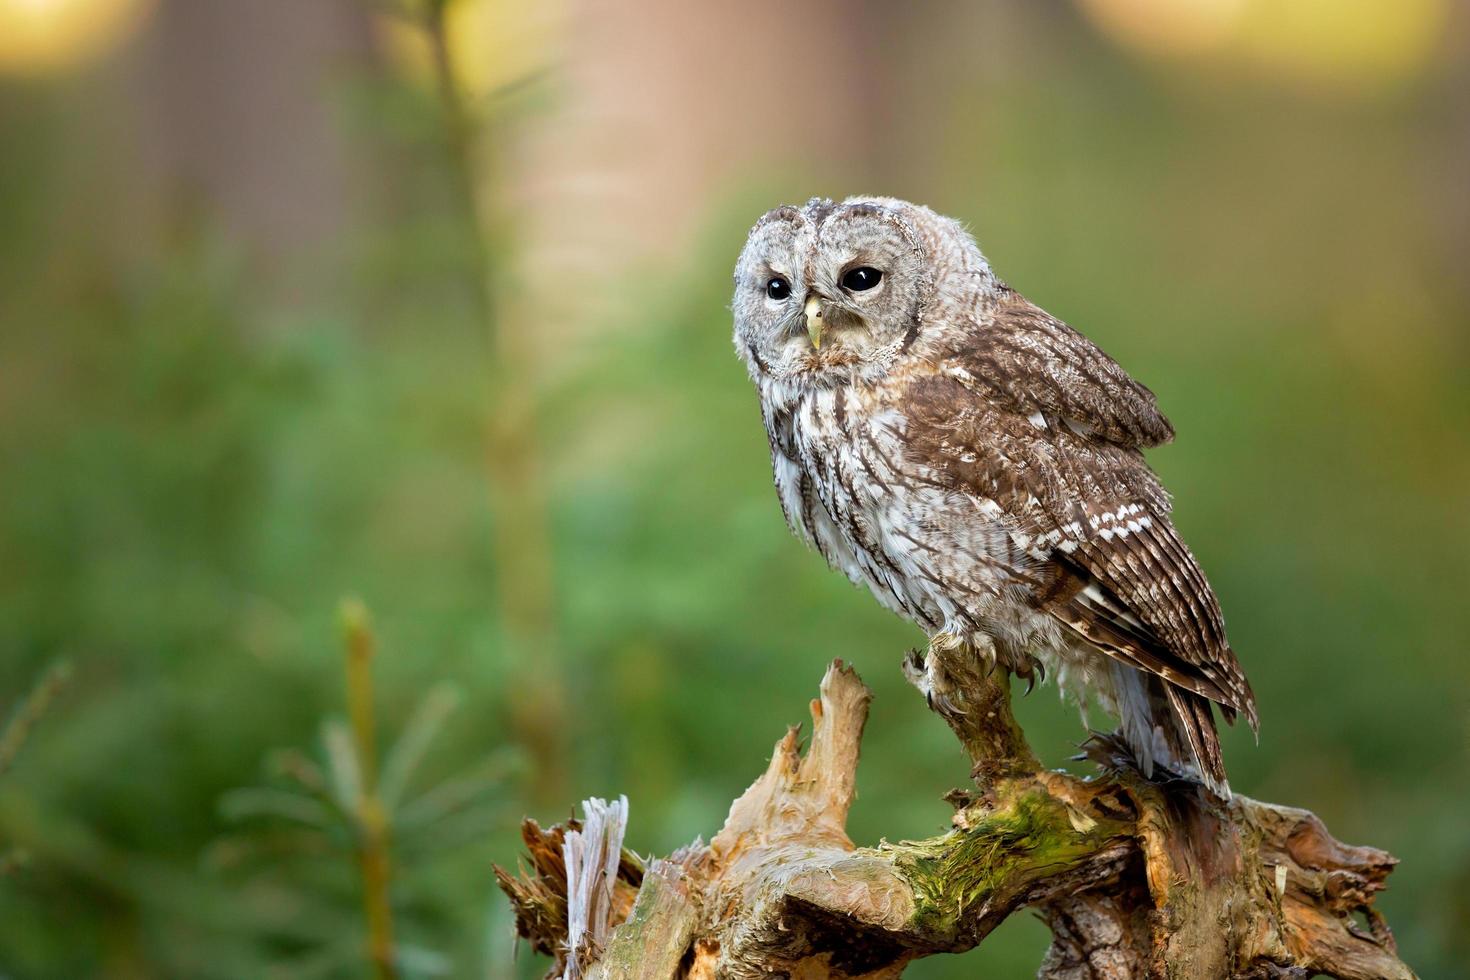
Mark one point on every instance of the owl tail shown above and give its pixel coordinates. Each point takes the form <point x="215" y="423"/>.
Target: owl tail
<point x="1169" y="727"/>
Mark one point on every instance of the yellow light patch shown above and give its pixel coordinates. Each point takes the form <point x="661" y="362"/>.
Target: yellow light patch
<point x="490" y="43"/>
<point x="1167" y="26"/>
<point x="1344" y="44"/>
<point x="42" y="37"/>
<point x="1351" y="46"/>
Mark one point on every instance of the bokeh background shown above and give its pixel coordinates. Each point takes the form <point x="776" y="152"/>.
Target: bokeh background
<point x="425" y="303"/>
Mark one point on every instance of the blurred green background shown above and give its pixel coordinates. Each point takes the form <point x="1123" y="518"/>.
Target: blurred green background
<point x="426" y="304"/>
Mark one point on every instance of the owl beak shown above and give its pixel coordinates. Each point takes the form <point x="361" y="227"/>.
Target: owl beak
<point x="813" y="312"/>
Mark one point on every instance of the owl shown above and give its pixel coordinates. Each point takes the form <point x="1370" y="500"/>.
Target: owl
<point x="978" y="465"/>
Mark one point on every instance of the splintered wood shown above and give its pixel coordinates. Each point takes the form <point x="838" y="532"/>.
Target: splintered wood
<point x="591" y="856"/>
<point x="1136" y="879"/>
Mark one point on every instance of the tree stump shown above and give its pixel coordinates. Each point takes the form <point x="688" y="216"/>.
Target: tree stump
<point x="1136" y="878"/>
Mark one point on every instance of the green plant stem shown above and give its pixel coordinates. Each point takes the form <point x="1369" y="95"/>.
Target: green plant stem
<point x="373" y="851"/>
<point x="522" y="540"/>
<point x="18" y="729"/>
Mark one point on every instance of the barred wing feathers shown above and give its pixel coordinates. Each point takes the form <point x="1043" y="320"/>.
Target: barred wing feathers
<point x="1024" y="411"/>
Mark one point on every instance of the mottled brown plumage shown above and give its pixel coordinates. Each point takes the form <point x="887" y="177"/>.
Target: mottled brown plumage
<point x="978" y="465"/>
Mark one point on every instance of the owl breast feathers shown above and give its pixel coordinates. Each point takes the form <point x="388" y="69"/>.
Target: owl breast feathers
<point x="978" y="465"/>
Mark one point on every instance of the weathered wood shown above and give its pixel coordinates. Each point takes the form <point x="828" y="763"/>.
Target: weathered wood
<point x="652" y="942"/>
<point x="1137" y="879"/>
<point x="539" y="897"/>
<point x="974" y="699"/>
<point x="592" y="855"/>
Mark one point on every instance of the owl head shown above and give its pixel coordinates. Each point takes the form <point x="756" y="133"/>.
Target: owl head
<point x="829" y="294"/>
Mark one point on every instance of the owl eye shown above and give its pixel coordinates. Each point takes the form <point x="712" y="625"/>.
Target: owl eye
<point x="778" y="288"/>
<point x="863" y="277"/>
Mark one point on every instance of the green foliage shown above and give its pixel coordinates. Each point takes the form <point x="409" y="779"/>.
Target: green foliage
<point x="197" y="464"/>
<point x="29" y="711"/>
<point x="13" y="737"/>
<point x="343" y="810"/>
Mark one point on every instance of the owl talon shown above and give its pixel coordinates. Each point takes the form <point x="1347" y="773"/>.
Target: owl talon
<point x="1034" y="671"/>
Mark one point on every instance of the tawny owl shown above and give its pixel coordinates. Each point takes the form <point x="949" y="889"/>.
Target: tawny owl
<point x="978" y="465"/>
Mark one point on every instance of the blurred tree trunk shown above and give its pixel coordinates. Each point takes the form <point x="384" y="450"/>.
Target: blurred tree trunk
<point x="238" y="114"/>
<point x="645" y="129"/>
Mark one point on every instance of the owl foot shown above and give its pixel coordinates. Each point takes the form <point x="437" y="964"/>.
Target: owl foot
<point x="926" y="670"/>
<point x="920" y="670"/>
<point x="1033" y="670"/>
<point x="916" y="670"/>
<point x="945" y="642"/>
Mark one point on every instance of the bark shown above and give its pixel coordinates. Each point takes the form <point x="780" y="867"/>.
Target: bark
<point x="1136" y="879"/>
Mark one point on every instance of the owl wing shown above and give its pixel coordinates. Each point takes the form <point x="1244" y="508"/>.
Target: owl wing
<point x="1027" y="360"/>
<point x="1027" y="413"/>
